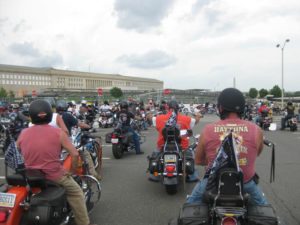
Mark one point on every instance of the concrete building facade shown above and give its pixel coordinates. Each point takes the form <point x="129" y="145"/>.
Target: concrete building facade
<point x="25" y="80"/>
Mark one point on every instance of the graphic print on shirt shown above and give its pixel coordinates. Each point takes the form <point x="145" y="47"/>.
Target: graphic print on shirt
<point x="123" y="118"/>
<point x="242" y="150"/>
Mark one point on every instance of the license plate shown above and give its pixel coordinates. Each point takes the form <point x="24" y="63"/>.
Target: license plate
<point x="170" y="158"/>
<point x="7" y="200"/>
<point x="114" y="140"/>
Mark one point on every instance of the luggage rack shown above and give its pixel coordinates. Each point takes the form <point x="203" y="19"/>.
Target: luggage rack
<point x="232" y="211"/>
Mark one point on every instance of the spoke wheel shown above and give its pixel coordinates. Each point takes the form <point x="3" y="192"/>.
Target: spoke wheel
<point x="91" y="189"/>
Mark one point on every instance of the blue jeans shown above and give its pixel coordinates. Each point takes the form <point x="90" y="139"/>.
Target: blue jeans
<point x="256" y="195"/>
<point x="136" y="139"/>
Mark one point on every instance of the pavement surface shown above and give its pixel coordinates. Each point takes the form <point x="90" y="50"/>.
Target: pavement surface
<point x="129" y="198"/>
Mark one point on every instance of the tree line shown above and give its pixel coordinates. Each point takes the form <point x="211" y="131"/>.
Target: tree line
<point x="275" y="91"/>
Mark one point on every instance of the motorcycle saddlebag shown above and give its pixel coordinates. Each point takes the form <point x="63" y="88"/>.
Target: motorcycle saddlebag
<point x="194" y="214"/>
<point x="189" y="162"/>
<point x="262" y="215"/>
<point x="47" y="207"/>
<point x="108" y="138"/>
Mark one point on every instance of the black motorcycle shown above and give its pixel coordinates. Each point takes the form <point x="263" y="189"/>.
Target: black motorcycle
<point x="225" y="202"/>
<point x="173" y="163"/>
<point x="122" y="141"/>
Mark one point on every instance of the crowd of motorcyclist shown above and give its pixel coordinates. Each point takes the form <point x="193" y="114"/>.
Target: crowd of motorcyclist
<point x="42" y="118"/>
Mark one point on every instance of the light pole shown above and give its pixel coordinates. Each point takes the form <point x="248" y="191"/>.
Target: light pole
<point x="282" y="68"/>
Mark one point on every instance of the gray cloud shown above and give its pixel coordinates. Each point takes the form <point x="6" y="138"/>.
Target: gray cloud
<point x="199" y="5"/>
<point x="150" y="60"/>
<point x="141" y="15"/>
<point x="19" y="26"/>
<point x="35" y="56"/>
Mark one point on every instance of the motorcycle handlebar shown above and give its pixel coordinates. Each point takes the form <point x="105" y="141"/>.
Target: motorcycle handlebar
<point x="268" y="143"/>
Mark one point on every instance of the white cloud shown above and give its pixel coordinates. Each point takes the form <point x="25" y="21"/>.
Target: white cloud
<point x="187" y="44"/>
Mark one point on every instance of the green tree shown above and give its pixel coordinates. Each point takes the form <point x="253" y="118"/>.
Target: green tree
<point x="116" y="92"/>
<point x="253" y="93"/>
<point x="11" y="94"/>
<point x="276" y="91"/>
<point x="263" y="92"/>
<point x="3" y="93"/>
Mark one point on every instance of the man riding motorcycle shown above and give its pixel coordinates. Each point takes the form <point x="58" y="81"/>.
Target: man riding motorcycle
<point x="183" y="122"/>
<point x="124" y="118"/>
<point x="231" y="103"/>
<point x="290" y="113"/>
<point x="41" y="147"/>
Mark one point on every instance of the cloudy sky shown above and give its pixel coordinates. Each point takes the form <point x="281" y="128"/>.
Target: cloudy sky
<point x="185" y="43"/>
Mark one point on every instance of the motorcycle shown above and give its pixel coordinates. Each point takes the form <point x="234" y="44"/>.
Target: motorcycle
<point x="226" y="203"/>
<point x="122" y="141"/>
<point x="89" y="143"/>
<point x="106" y="119"/>
<point x="173" y="163"/>
<point x="31" y="199"/>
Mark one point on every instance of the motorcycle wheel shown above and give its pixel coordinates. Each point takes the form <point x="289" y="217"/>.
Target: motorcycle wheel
<point x="117" y="151"/>
<point x="171" y="189"/>
<point x="91" y="189"/>
<point x="293" y="128"/>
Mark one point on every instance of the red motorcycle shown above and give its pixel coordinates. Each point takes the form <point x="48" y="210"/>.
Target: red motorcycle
<point x="30" y="199"/>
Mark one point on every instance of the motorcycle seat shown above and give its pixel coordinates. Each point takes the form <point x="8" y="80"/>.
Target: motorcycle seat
<point x="35" y="179"/>
<point x="53" y="196"/>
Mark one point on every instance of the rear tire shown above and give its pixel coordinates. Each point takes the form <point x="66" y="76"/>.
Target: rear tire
<point x="117" y="151"/>
<point x="171" y="189"/>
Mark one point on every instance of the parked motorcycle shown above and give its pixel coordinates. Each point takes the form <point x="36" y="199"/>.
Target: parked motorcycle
<point x="227" y="203"/>
<point x="106" y="119"/>
<point x="173" y="163"/>
<point x="89" y="143"/>
<point x="122" y="141"/>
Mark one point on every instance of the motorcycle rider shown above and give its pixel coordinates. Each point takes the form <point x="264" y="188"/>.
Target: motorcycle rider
<point x="290" y="113"/>
<point x="124" y="119"/>
<point x="105" y="107"/>
<point x="263" y="111"/>
<point x="231" y="103"/>
<point x="41" y="147"/>
<point x="183" y="122"/>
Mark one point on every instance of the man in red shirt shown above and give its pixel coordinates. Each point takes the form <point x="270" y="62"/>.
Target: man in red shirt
<point x="183" y="122"/>
<point x="41" y="147"/>
<point x="231" y="104"/>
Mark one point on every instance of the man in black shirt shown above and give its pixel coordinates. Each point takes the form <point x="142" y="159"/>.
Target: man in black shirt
<point x="124" y="119"/>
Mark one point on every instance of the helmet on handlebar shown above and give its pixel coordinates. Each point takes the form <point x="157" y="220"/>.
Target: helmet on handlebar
<point x="61" y="106"/>
<point x="124" y="105"/>
<point x="40" y="112"/>
<point x="231" y="100"/>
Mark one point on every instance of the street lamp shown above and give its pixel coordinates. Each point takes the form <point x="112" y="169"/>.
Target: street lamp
<point x="282" y="72"/>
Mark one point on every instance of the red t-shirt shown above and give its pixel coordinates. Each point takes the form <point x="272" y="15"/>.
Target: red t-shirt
<point x="40" y="146"/>
<point x="183" y="123"/>
<point x="247" y="133"/>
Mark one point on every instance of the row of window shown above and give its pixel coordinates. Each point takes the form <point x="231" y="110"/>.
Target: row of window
<point x="25" y="82"/>
<point x="24" y="77"/>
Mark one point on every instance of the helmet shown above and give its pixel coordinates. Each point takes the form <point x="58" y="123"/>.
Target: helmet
<point x="61" y="105"/>
<point x="40" y="112"/>
<point x="289" y="103"/>
<point x="124" y="105"/>
<point x="232" y="100"/>
<point x="106" y="102"/>
<point x="173" y="105"/>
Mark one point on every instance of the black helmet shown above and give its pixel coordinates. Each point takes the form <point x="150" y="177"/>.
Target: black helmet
<point x="61" y="106"/>
<point x="40" y="112"/>
<point x="106" y="102"/>
<point x="124" y="105"/>
<point x="232" y="100"/>
<point x="173" y="105"/>
<point x="289" y="103"/>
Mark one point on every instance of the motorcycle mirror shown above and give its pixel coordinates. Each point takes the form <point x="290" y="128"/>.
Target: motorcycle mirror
<point x="273" y="127"/>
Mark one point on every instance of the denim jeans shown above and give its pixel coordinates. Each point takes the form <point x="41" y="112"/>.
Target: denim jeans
<point x="256" y="195"/>
<point x="136" y="139"/>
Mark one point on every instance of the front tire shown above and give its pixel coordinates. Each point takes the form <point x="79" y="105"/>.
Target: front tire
<point x="171" y="189"/>
<point x="117" y="151"/>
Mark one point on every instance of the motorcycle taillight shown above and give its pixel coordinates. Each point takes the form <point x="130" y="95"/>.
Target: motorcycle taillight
<point x="229" y="221"/>
<point x="114" y="136"/>
<point x="3" y="216"/>
<point x="170" y="168"/>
